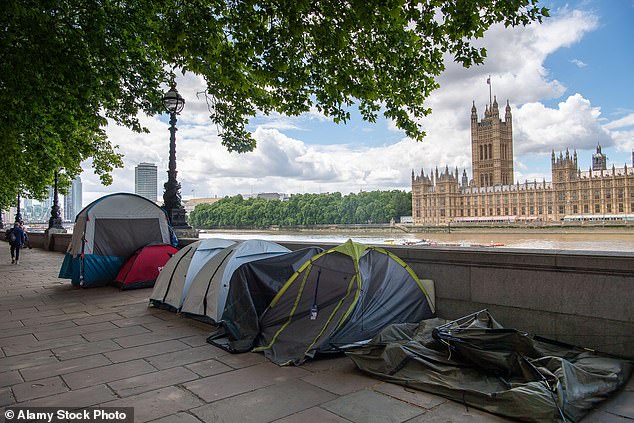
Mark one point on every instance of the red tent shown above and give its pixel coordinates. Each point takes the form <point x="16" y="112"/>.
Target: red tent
<point x="143" y="267"/>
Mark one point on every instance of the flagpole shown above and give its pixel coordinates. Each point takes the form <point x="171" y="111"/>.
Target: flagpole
<point x="490" y="97"/>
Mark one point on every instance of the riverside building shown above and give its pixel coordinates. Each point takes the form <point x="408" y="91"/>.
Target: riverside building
<point x="145" y="181"/>
<point x="492" y="196"/>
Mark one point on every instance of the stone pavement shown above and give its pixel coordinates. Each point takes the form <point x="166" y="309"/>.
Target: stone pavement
<point x="66" y="347"/>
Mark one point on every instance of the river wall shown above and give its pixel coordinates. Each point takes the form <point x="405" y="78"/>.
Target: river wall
<point x="578" y="297"/>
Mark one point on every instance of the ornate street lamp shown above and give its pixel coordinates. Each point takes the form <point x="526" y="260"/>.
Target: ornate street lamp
<point x="18" y="214"/>
<point x="55" y="222"/>
<point x="174" y="104"/>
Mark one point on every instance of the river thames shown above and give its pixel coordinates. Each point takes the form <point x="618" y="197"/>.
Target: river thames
<point x="605" y="240"/>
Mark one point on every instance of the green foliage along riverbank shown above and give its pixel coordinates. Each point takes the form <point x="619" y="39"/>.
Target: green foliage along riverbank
<point x="304" y="209"/>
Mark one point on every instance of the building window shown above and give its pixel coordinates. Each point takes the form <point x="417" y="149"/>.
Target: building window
<point x="575" y="209"/>
<point x="597" y="194"/>
<point x="490" y="151"/>
<point x="540" y="210"/>
<point x="585" y="208"/>
<point x="609" y="207"/>
<point x="597" y="208"/>
<point x="523" y="210"/>
<point x="561" y="209"/>
<point x="482" y="180"/>
<point x="550" y="209"/>
<point x="480" y="152"/>
<point x="620" y="207"/>
<point x="532" y="210"/>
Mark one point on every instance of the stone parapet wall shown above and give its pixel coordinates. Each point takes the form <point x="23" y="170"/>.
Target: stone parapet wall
<point x="582" y="298"/>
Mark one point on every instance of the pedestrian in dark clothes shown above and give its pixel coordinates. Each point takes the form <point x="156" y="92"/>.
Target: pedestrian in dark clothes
<point x="16" y="245"/>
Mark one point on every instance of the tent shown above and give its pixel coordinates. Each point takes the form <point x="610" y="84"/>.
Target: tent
<point x="107" y="232"/>
<point x="143" y="267"/>
<point x="251" y="289"/>
<point x="341" y="297"/>
<point x="174" y="280"/>
<point x="478" y="362"/>
<point x="206" y="297"/>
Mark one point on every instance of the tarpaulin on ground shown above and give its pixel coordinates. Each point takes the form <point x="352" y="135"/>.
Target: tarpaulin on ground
<point x="477" y="362"/>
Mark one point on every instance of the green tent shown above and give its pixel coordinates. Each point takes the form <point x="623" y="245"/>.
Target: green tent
<point x="340" y="298"/>
<point x="477" y="362"/>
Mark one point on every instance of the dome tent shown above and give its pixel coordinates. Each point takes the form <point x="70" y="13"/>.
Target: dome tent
<point x="341" y="297"/>
<point x="144" y="266"/>
<point x="176" y="277"/>
<point x="207" y="294"/>
<point x="251" y="289"/>
<point x="107" y="232"/>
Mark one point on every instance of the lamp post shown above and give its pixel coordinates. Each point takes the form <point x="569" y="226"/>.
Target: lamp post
<point x="174" y="104"/>
<point x="18" y="214"/>
<point x="55" y="221"/>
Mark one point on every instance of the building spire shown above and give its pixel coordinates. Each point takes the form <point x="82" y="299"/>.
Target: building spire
<point x="490" y="92"/>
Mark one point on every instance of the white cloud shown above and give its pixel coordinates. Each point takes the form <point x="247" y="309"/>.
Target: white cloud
<point x="578" y="63"/>
<point x="621" y="123"/>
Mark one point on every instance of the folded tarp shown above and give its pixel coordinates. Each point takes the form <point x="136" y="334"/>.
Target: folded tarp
<point x="503" y="371"/>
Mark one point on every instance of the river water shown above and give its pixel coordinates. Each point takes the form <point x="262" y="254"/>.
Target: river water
<point x="612" y="240"/>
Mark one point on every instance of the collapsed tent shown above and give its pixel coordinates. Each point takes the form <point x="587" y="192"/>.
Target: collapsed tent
<point x="340" y="297"/>
<point x="144" y="266"/>
<point x="476" y="361"/>
<point x="176" y="277"/>
<point x="107" y="232"/>
<point x="251" y="289"/>
<point x="207" y="294"/>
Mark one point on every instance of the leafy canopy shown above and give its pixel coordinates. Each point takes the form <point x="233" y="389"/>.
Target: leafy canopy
<point x="67" y="66"/>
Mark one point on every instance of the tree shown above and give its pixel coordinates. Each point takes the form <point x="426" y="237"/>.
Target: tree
<point x="67" y="66"/>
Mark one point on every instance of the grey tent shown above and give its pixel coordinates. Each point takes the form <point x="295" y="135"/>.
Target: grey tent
<point x="174" y="281"/>
<point x="251" y="289"/>
<point x="341" y="297"/>
<point x="107" y="232"/>
<point x="477" y="362"/>
<point x="207" y="294"/>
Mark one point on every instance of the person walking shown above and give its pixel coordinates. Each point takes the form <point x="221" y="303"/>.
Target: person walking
<point x="16" y="240"/>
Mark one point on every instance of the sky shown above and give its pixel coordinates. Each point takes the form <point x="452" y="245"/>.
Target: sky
<point x="568" y="82"/>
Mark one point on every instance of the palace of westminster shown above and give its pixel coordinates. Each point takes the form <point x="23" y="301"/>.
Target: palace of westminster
<point x="599" y="193"/>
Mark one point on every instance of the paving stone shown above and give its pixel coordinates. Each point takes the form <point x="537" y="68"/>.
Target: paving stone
<point x="89" y="320"/>
<point x="143" y="351"/>
<point x="209" y="367"/>
<point x="228" y="384"/>
<point x="8" y="325"/>
<point x="239" y="361"/>
<point x="76" y="330"/>
<point x="6" y="397"/>
<point x="10" y="378"/>
<point x="116" y="332"/>
<point x="133" y="321"/>
<point x="38" y="388"/>
<point x="458" y="413"/>
<point x="34" y="322"/>
<point x="107" y="374"/>
<point x="43" y="345"/>
<point x="195" y="340"/>
<point x="412" y="396"/>
<point x="314" y="414"/>
<point x="372" y="407"/>
<point x="22" y="330"/>
<point x="63" y="367"/>
<point x="84" y="397"/>
<point x="599" y="416"/>
<point x="146" y="338"/>
<point x="159" y="403"/>
<point x="179" y="358"/>
<point x="621" y="405"/>
<point x="26" y="360"/>
<point x="178" y="418"/>
<point x="341" y="382"/>
<point x="148" y="382"/>
<point x="265" y="405"/>
<point x="17" y="340"/>
<point x="85" y="349"/>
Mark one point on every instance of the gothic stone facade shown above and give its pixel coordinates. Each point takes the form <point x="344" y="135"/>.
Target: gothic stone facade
<point x="492" y="195"/>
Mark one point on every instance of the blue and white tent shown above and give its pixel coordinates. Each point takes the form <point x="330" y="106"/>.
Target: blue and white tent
<point x="174" y="281"/>
<point x="107" y="232"/>
<point x="209" y="288"/>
